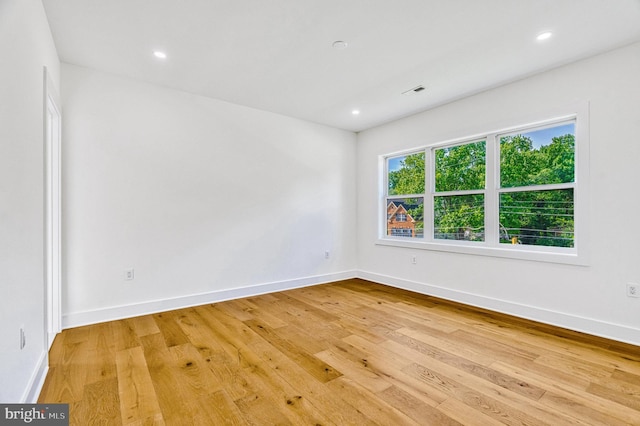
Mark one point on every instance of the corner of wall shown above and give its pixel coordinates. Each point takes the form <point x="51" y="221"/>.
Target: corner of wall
<point x="36" y="382"/>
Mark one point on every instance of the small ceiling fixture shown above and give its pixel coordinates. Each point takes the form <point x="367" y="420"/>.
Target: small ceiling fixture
<point x="544" y="36"/>
<point x="340" y="45"/>
<point x="159" y="54"/>
<point x="355" y="112"/>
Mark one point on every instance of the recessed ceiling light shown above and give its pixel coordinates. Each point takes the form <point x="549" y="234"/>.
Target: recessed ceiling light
<point x="160" y="55"/>
<point x="544" y="36"/>
<point x="355" y="112"/>
<point x="340" y="45"/>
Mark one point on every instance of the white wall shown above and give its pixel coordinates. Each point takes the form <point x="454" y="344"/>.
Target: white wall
<point x="589" y="298"/>
<point x="202" y="197"/>
<point x="26" y="45"/>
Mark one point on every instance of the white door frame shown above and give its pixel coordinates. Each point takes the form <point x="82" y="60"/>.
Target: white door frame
<point x="53" y="178"/>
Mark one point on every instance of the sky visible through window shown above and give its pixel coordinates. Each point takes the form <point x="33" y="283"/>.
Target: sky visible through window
<point x="395" y="163"/>
<point x="544" y="136"/>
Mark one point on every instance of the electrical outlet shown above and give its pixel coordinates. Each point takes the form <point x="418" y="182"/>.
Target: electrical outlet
<point x="327" y="254"/>
<point x="633" y="290"/>
<point x="23" y="338"/>
<point x="128" y="274"/>
<point x="414" y="260"/>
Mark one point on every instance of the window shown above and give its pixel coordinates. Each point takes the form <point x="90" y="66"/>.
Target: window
<point x="458" y="205"/>
<point x="405" y="179"/>
<point x="537" y="175"/>
<point x="509" y="193"/>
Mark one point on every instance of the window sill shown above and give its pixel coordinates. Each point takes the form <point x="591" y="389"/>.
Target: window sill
<point x="531" y="253"/>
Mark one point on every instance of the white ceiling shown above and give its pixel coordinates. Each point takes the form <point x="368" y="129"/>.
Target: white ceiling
<point x="277" y="55"/>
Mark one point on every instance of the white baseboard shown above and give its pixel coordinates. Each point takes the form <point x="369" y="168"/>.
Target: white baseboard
<point x="607" y="330"/>
<point x="76" y="319"/>
<point x="36" y="382"/>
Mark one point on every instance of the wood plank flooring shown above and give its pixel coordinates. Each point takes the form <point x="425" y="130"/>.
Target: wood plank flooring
<point x="347" y="353"/>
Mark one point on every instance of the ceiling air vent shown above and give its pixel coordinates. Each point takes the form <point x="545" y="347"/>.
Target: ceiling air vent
<point x="413" y="91"/>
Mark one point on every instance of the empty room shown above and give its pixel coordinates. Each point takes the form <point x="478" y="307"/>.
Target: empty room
<point x="320" y="212"/>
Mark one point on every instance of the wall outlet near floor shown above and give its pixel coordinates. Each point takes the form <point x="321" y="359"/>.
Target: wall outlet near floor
<point x="327" y="254"/>
<point x="128" y="274"/>
<point x="23" y="338"/>
<point x="414" y="259"/>
<point x="633" y="290"/>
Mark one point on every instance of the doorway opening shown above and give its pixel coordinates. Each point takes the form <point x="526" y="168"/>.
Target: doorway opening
<point x="53" y="180"/>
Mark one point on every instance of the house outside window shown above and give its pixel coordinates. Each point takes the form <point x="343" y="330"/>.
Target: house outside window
<point x="399" y="221"/>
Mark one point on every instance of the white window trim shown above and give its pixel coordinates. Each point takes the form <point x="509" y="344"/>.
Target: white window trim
<point x="578" y="255"/>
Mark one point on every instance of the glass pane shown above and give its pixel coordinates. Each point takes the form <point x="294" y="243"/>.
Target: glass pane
<point x="541" y="218"/>
<point x="460" y="167"/>
<point x="538" y="157"/>
<point x="459" y="217"/>
<point x="405" y="217"/>
<point x="406" y="174"/>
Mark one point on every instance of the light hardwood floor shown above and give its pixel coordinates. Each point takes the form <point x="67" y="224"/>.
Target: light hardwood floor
<point x="347" y="353"/>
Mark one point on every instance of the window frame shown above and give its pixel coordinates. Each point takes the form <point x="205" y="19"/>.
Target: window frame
<point x="387" y="198"/>
<point x="431" y="153"/>
<point x="491" y="246"/>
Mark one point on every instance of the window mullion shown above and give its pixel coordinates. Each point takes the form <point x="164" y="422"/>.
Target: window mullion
<point x="491" y="208"/>
<point x="429" y="190"/>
